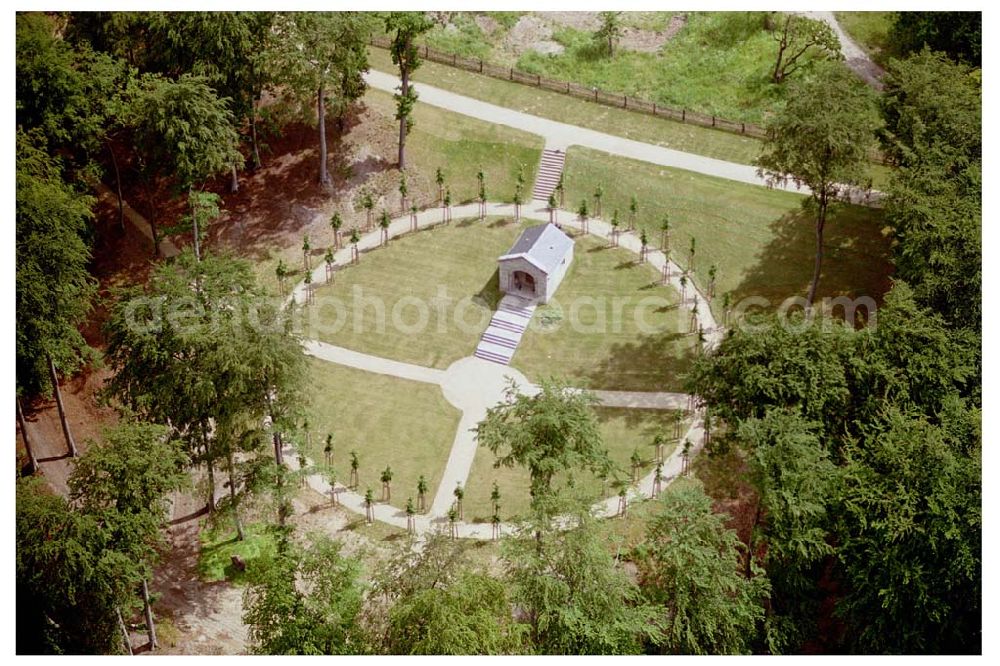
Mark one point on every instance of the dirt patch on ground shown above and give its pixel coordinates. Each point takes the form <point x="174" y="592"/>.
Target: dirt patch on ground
<point x="487" y="24"/>
<point x="531" y="33"/>
<point x="534" y="32"/>
<point x="649" y="41"/>
<point x="208" y="617"/>
<point x="588" y="21"/>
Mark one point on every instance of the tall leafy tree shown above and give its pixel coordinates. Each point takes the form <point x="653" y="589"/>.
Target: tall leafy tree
<point x="201" y="347"/>
<point x="71" y="581"/>
<point x="548" y="433"/>
<point x="689" y="568"/>
<point x="797" y="483"/>
<point x="405" y="27"/>
<point x="470" y="615"/>
<point x="909" y="540"/>
<point x="575" y="596"/>
<point x="127" y="479"/>
<point x="933" y="133"/>
<point x="186" y="132"/>
<point x="321" y="57"/>
<point x="821" y="139"/>
<point x="305" y="600"/>
<point x="231" y="50"/>
<point x="54" y="288"/>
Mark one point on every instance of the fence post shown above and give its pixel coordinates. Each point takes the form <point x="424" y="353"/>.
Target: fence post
<point x="743" y="128"/>
<point x="625" y="97"/>
<point x="454" y="59"/>
<point x="480" y="65"/>
<point x="567" y="87"/>
<point x="713" y="121"/>
<point x="654" y="108"/>
<point x="539" y="78"/>
<point x="683" y="115"/>
<point x="595" y="94"/>
<point x="425" y="51"/>
<point x="511" y="73"/>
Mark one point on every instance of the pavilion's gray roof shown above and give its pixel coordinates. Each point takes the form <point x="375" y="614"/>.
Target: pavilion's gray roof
<point x="544" y="245"/>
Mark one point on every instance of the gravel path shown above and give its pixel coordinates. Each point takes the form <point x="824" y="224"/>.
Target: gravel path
<point x="559" y="136"/>
<point x="855" y="57"/>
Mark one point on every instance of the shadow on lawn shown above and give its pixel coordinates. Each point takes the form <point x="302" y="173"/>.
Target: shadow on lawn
<point x="643" y="365"/>
<point x="855" y="262"/>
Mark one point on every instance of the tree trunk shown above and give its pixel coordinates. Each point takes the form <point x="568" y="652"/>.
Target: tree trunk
<point x="150" y="626"/>
<point x="70" y="442"/>
<point x="211" y="467"/>
<point x="404" y="89"/>
<point x="151" y="216"/>
<point x="275" y="435"/>
<point x="324" y="177"/>
<point x="24" y="437"/>
<point x="778" y="74"/>
<point x="820" y="223"/>
<point x="118" y="185"/>
<point x="253" y="137"/>
<point x="125" y="637"/>
<point x="235" y="498"/>
<point x="194" y="222"/>
<point x="234" y="183"/>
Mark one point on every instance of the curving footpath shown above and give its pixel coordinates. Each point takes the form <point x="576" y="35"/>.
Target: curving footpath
<point x="473" y="385"/>
<point x="559" y="136"/>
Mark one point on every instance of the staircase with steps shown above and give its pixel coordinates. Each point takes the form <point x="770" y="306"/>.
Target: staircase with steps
<point x="502" y="336"/>
<point x="549" y="171"/>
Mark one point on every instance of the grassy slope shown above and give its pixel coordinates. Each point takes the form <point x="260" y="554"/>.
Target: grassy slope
<point x="761" y="240"/>
<point x="381" y="417"/>
<point x="623" y="431"/>
<point x="657" y="131"/>
<point x="459" y="258"/>
<point x="593" y="346"/>
<point x="719" y="63"/>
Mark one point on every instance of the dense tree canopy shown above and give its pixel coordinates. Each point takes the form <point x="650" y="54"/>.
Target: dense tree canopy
<point x="959" y="34"/>
<point x="689" y="568"/>
<point x="304" y="600"/>
<point x="54" y="287"/>
<point x="933" y="113"/>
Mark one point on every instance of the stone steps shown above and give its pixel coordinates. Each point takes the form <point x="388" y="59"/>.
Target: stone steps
<point x="549" y="170"/>
<point x="501" y="338"/>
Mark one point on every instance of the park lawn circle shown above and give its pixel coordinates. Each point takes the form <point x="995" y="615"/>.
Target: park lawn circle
<point x="623" y="431"/>
<point x="427" y="297"/>
<point x="402" y="424"/>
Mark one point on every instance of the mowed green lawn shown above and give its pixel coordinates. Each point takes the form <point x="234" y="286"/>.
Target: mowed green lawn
<point x="623" y="431"/>
<point x="444" y="278"/>
<point x="388" y="421"/>
<point x="610" y="326"/>
<point x="461" y="146"/>
<point x="761" y="240"/>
